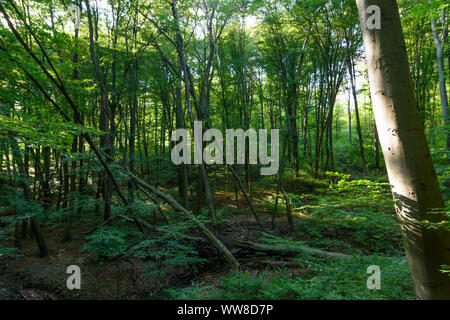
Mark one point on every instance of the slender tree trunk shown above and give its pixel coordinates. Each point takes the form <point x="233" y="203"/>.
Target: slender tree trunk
<point x="35" y="227"/>
<point x="68" y="226"/>
<point x="66" y="183"/>
<point x="46" y="201"/>
<point x="182" y="169"/>
<point x="188" y="93"/>
<point x="281" y="188"/>
<point x="72" y="186"/>
<point x="106" y="120"/>
<point x="409" y="165"/>
<point x="441" y="72"/>
<point x="349" y="119"/>
<point x="377" y="148"/>
<point x="133" y="112"/>
<point x="351" y="69"/>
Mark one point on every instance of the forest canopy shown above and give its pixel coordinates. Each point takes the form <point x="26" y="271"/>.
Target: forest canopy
<point x="315" y="143"/>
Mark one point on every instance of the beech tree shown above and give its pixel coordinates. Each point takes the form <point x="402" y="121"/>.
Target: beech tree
<point x="412" y="176"/>
<point x="90" y="107"/>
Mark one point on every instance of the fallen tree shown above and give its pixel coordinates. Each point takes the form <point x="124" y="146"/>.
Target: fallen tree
<point x="288" y="249"/>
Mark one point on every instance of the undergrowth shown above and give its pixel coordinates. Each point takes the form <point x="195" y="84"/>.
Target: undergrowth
<point x="331" y="280"/>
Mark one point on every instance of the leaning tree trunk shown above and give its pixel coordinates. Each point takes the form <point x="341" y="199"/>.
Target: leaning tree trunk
<point x="409" y="165"/>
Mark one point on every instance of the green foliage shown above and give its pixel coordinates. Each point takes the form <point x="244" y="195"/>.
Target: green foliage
<point x="296" y="201"/>
<point x="358" y="193"/>
<point x="10" y="252"/>
<point x="14" y="201"/>
<point x="443" y="173"/>
<point x="336" y="279"/>
<point x="165" y="255"/>
<point x="364" y="228"/>
<point x="139" y="208"/>
<point x="167" y="247"/>
<point x="34" y="132"/>
<point x="194" y="292"/>
<point x="443" y="225"/>
<point x="287" y="71"/>
<point x="446" y="269"/>
<point x="351" y="194"/>
<point x="349" y="215"/>
<point x="109" y="242"/>
<point x="170" y="248"/>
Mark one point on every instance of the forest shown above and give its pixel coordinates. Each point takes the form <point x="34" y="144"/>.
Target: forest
<point x="224" y="150"/>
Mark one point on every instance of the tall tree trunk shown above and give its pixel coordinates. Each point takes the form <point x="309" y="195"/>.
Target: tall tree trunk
<point x="377" y="148"/>
<point x="106" y="118"/>
<point x="188" y="93"/>
<point x="35" y="227"/>
<point x="349" y="119"/>
<point x="182" y="169"/>
<point x="351" y="69"/>
<point x="133" y="112"/>
<point x="46" y="201"/>
<point x="409" y="165"/>
<point x="441" y="72"/>
<point x="73" y="184"/>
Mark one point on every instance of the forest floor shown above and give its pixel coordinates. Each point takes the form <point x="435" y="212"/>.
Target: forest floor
<point x="323" y="219"/>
